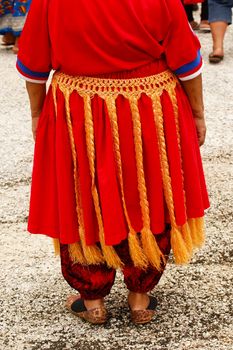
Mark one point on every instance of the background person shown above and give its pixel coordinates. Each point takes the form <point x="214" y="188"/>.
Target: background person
<point x="204" y="23"/>
<point x="220" y="16"/>
<point x="12" y="19"/>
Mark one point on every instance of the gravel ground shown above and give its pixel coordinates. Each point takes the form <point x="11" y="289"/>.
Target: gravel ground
<point x="195" y="302"/>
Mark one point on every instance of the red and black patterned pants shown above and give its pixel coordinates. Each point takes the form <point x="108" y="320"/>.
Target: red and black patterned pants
<point x="96" y="281"/>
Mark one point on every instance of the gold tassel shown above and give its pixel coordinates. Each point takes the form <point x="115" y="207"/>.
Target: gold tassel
<point x="149" y="243"/>
<point x="110" y="255"/>
<point x="179" y="248"/>
<point x="56" y="245"/>
<point x="181" y="254"/>
<point x="88" y="254"/>
<point x="54" y="92"/>
<point x="186" y="234"/>
<point x="138" y="257"/>
<point x="76" y="253"/>
<point x="152" y="250"/>
<point x="197" y="231"/>
<point x="200" y="225"/>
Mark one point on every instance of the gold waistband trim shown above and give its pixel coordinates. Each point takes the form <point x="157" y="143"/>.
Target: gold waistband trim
<point x="113" y="87"/>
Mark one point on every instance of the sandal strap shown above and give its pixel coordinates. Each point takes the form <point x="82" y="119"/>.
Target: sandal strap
<point x="152" y="304"/>
<point x="78" y="306"/>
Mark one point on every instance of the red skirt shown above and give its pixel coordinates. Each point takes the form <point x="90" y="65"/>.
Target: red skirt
<point x="116" y="155"/>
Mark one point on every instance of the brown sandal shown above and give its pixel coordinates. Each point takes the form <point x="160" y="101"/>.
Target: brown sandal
<point x="76" y="306"/>
<point x="144" y="316"/>
<point x="215" y="58"/>
<point x="194" y="25"/>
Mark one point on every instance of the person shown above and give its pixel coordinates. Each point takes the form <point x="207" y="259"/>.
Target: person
<point x="12" y="19"/>
<point x="220" y="16"/>
<point x="204" y="23"/>
<point x="117" y="176"/>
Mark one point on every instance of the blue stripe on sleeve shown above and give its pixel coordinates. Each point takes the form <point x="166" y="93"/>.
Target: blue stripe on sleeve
<point x="31" y="73"/>
<point x="189" y="66"/>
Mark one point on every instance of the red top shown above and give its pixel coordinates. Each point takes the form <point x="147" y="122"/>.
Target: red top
<point x="96" y="37"/>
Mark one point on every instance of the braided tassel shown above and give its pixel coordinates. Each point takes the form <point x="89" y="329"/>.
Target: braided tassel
<point x="197" y="231"/>
<point x="91" y="254"/>
<point x="186" y="234"/>
<point x="54" y="93"/>
<point x="149" y="244"/>
<point x="110" y="255"/>
<point x="76" y="253"/>
<point x="179" y="248"/>
<point x="138" y="257"/>
<point x="56" y="245"/>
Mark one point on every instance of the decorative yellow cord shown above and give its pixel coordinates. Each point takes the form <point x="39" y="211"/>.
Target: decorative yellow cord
<point x="109" y="253"/>
<point x="193" y="234"/>
<point x="91" y="86"/>
<point x="135" y="249"/>
<point x="54" y="93"/>
<point x="197" y="229"/>
<point x="91" y="254"/>
<point x="185" y="229"/>
<point x="178" y="245"/>
<point x="149" y="243"/>
<point x="56" y="245"/>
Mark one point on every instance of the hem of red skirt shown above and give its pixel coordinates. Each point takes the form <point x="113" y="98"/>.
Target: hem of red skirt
<point x="54" y="235"/>
<point x="51" y="233"/>
<point x="39" y="232"/>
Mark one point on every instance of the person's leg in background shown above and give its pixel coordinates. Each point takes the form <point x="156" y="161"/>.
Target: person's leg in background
<point x="218" y="30"/>
<point x="189" y="13"/>
<point x="220" y="16"/>
<point x="195" y="7"/>
<point x="204" y="24"/>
